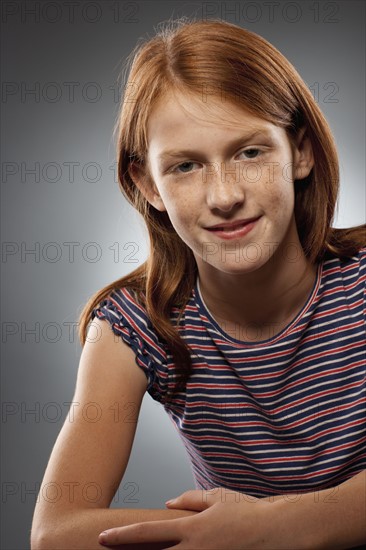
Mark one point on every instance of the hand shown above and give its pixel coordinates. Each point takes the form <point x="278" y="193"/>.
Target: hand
<point x="227" y="520"/>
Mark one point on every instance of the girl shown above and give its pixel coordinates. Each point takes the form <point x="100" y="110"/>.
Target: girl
<point x="247" y="321"/>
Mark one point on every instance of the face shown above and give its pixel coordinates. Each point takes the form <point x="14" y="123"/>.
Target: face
<point x="213" y="163"/>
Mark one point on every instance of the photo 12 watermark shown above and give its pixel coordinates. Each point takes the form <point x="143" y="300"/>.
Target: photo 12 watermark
<point x="53" y="412"/>
<point x="72" y="12"/>
<point x="69" y="252"/>
<point x="272" y="12"/>
<point x="91" y="492"/>
<point x="76" y="92"/>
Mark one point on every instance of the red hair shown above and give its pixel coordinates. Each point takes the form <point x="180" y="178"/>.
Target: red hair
<point x="228" y="61"/>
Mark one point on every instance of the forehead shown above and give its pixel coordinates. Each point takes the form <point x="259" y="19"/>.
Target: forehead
<point x="197" y="120"/>
<point x="183" y="109"/>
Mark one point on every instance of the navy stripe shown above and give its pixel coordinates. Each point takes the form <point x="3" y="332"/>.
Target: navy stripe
<point x="286" y="414"/>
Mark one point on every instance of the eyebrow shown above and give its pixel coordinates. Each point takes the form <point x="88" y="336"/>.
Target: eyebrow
<point x="178" y="153"/>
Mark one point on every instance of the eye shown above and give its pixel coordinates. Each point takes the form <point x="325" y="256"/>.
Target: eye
<point x="184" y="167"/>
<point x="251" y="153"/>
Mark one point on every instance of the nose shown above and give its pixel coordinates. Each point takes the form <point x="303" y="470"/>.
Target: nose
<point x="224" y="186"/>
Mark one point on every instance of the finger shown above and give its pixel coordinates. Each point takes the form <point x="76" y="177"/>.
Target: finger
<point x="149" y="531"/>
<point x="196" y="500"/>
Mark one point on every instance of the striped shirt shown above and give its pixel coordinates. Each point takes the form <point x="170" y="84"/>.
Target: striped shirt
<point x="283" y="415"/>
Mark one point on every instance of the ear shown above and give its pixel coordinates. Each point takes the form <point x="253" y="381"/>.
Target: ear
<point x="146" y="185"/>
<point x="303" y="155"/>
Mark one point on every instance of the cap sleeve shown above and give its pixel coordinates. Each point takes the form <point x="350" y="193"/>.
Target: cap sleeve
<point x="129" y="320"/>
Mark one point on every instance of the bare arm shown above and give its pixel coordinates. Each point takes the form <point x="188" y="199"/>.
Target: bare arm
<point x="328" y="519"/>
<point x="91" y="453"/>
<point x="81" y="528"/>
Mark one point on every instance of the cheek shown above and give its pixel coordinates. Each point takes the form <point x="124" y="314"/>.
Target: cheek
<point x="182" y="214"/>
<point x="182" y="205"/>
<point x="278" y="192"/>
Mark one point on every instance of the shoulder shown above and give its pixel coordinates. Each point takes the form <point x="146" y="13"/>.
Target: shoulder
<point x="124" y="302"/>
<point x="129" y="320"/>
<point x="346" y="275"/>
<point x="124" y="311"/>
<point x="356" y="262"/>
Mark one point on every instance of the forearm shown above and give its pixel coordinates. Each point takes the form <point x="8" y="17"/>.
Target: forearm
<point x="328" y="519"/>
<point x="79" y="529"/>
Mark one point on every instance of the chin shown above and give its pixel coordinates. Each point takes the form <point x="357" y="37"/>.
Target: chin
<point x="240" y="268"/>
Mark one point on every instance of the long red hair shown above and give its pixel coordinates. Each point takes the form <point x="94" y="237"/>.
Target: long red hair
<point x="219" y="58"/>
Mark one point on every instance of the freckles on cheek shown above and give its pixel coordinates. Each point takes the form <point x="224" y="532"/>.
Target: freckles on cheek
<point x="180" y="221"/>
<point x="279" y="194"/>
<point x="180" y="209"/>
<point x="278" y="202"/>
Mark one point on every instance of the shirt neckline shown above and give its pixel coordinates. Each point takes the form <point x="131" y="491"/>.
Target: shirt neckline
<point x="203" y="309"/>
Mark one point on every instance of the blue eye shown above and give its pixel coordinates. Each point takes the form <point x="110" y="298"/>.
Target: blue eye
<point x="185" y="165"/>
<point x="250" y="152"/>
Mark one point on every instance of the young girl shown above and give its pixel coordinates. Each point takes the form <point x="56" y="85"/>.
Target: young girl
<point x="246" y="322"/>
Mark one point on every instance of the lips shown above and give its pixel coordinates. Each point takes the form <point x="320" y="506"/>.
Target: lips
<point x="234" y="230"/>
<point x="231" y="226"/>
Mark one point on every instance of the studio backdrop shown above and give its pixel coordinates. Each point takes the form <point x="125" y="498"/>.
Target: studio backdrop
<point x="67" y="231"/>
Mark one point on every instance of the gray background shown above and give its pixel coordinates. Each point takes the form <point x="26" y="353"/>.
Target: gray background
<point x="53" y="51"/>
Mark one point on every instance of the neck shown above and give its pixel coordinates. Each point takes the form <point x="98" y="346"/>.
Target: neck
<point x="271" y="295"/>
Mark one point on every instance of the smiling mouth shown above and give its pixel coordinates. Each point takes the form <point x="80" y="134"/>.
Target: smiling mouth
<point x="233" y="227"/>
<point x="236" y="231"/>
